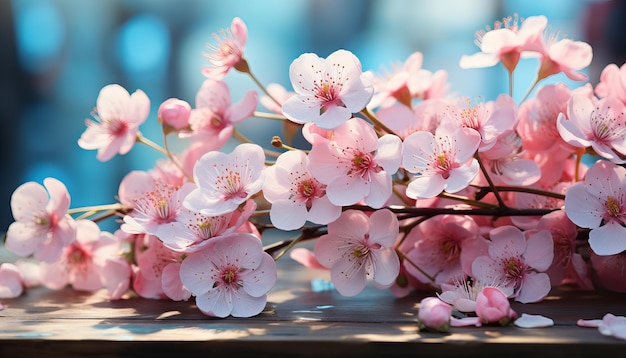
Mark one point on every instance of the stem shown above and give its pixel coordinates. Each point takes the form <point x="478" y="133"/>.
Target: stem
<point x="429" y="211"/>
<point x="510" y="84"/>
<point x="289" y="247"/>
<point x="468" y="201"/>
<point x="483" y="190"/>
<point x="530" y="90"/>
<point x="151" y="144"/>
<point x="404" y="257"/>
<point x="266" y="115"/>
<point x="173" y="160"/>
<point x="260" y="85"/>
<point x="491" y="185"/>
<point x="98" y="208"/>
<point x="579" y="158"/>
<point x="243" y="139"/>
<point x="376" y="121"/>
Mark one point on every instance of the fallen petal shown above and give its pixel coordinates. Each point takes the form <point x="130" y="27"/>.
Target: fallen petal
<point x="533" y="321"/>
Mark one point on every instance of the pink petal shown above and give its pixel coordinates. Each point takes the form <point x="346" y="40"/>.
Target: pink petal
<point x="261" y="280"/>
<point x="539" y="251"/>
<point x="583" y="209"/>
<point x="322" y="211"/>
<point x="533" y="321"/>
<point x="348" y="276"/>
<point x="383" y="228"/>
<point x="479" y="60"/>
<point x="171" y="283"/>
<point x="608" y="239"/>
<point x="10" y="281"/>
<point x="287" y="214"/>
<point x="306" y="258"/>
<point x="387" y="266"/>
<point x="28" y="199"/>
<point x="248" y="306"/>
<point x="536" y="286"/>
<point x="244" y="108"/>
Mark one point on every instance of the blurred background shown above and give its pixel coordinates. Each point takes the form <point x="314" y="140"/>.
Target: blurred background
<point x="57" y="55"/>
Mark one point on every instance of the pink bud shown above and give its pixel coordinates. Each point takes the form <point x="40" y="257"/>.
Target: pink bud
<point x="11" y="285"/>
<point x="434" y="314"/>
<point x="493" y="306"/>
<point x="175" y="113"/>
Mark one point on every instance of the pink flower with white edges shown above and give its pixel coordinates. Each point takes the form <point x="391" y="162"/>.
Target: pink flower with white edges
<point x="82" y="264"/>
<point x="224" y="181"/>
<point x="327" y="90"/>
<point x="42" y="226"/>
<point x="118" y="117"/>
<point x="228" y="52"/>
<point x="443" y="161"/>
<point x="599" y="203"/>
<point x="599" y="124"/>
<point x="231" y="276"/>
<point x="296" y="196"/>
<point x="193" y="230"/>
<point x="356" y="165"/>
<point x="11" y="282"/>
<point x="357" y="247"/>
<point x="506" y="42"/>
<point x="213" y="120"/>
<point x="517" y="260"/>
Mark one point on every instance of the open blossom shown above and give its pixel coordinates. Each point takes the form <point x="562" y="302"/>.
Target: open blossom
<point x="357" y="247"/>
<point x="213" y="120"/>
<point x="599" y="124"/>
<point x="226" y="180"/>
<point x="228" y="51"/>
<point x="83" y="263"/>
<point x="506" y="42"/>
<point x="599" y="203"/>
<point x="518" y="261"/>
<point x="356" y="165"/>
<point x="231" y="276"/>
<point x="42" y="226"/>
<point x="327" y="90"/>
<point x="565" y="56"/>
<point x="443" y="161"/>
<point x="296" y="196"/>
<point x="118" y="117"/>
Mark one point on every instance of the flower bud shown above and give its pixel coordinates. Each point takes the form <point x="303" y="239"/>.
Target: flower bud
<point x="434" y="314"/>
<point x="175" y="113"/>
<point x="493" y="306"/>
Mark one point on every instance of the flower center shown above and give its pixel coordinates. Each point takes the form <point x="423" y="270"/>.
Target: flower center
<point x="159" y="204"/>
<point x="230" y="184"/>
<point x="514" y="268"/>
<point x="613" y="207"/>
<point x="230" y="276"/>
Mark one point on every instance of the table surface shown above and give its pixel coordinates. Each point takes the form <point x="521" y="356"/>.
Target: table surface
<point x="298" y="321"/>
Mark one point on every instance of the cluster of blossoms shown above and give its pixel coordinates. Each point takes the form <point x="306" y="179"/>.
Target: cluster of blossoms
<point x="400" y="183"/>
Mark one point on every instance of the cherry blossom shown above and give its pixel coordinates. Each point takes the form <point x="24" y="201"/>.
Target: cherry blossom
<point x="117" y="120"/>
<point x="327" y="90"/>
<point x="610" y="325"/>
<point x="213" y="120"/>
<point x="228" y="52"/>
<point x="518" y="262"/>
<point x="599" y="203"/>
<point x="565" y="56"/>
<point x="231" y="276"/>
<point x="434" y="315"/>
<point x="506" y="163"/>
<point x="599" y="124"/>
<point x="11" y="282"/>
<point x="356" y="165"/>
<point x="175" y="113"/>
<point x="463" y="292"/>
<point x="224" y="181"/>
<point x="357" y="247"/>
<point x="443" y="161"/>
<point x="82" y="264"/>
<point x="42" y="226"/>
<point x="506" y="42"/>
<point x="296" y="196"/>
<point x="612" y="82"/>
<point x="492" y="306"/>
<point x="403" y="121"/>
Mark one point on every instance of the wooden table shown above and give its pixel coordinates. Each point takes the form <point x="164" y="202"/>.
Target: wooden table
<point x="297" y="322"/>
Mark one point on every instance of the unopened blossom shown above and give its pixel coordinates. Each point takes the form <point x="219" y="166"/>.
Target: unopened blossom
<point x="82" y="264"/>
<point x="434" y="314"/>
<point x="506" y="42"/>
<point x="11" y="282"/>
<point x="228" y="50"/>
<point x="175" y="113"/>
<point x="224" y="181"/>
<point x="440" y="162"/>
<point x="296" y="196"/>
<point x="231" y="276"/>
<point x="596" y="124"/>
<point x="328" y="91"/>
<point x="463" y="292"/>
<point x="517" y="262"/>
<point x="117" y="120"/>
<point x="213" y="120"/>
<point x="493" y="306"/>
<point x="599" y="203"/>
<point x="359" y="246"/>
<point x="356" y="165"/>
<point x="42" y="226"/>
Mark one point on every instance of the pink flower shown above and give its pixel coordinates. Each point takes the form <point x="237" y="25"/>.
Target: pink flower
<point x="612" y="82"/>
<point x="231" y="276"/>
<point x="118" y="118"/>
<point x="610" y="271"/>
<point x="42" y="226"/>
<point x="224" y="181"/>
<point x="175" y="113"/>
<point x="599" y="124"/>
<point x="610" y="325"/>
<point x="492" y="306"/>
<point x="517" y="262"/>
<point x="566" y="56"/>
<point x="228" y="52"/>
<point x="357" y="247"/>
<point x="279" y="93"/>
<point x="82" y="264"/>
<point x="599" y="203"/>
<point x="356" y="165"/>
<point x="506" y="163"/>
<point x="463" y="293"/>
<point x="213" y="120"/>
<point x="11" y="283"/>
<point x="296" y="196"/>
<point x="152" y="279"/>
<point x="443" y="161"/>
<point x="506" y="42"/>
<point x="425" y="116"/>
<point x="327" y="90"/>
<point x="434" y="314"/>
